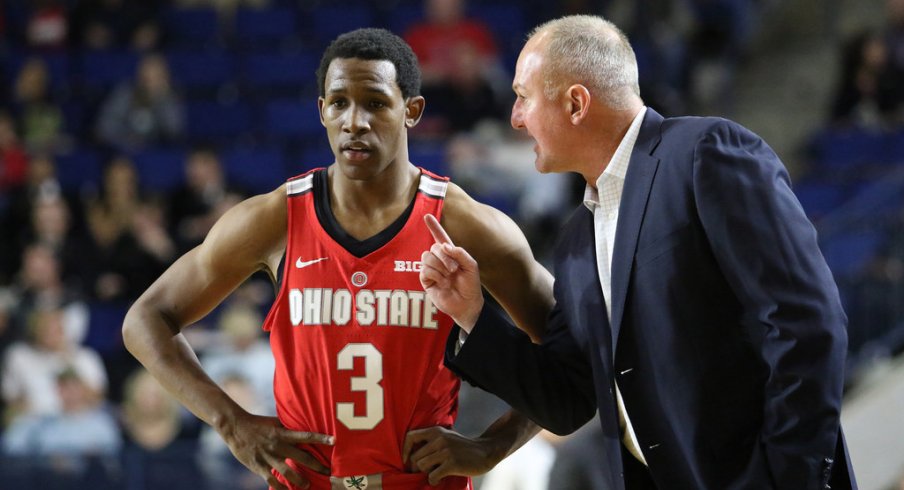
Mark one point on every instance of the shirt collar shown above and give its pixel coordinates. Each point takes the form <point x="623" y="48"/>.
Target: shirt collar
<point x="618" y="164"/>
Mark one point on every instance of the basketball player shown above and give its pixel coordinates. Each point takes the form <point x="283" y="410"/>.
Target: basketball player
<point x="358" y="347"/>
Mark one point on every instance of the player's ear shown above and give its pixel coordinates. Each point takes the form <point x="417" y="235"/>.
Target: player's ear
<point x="320" y="110"/>
<point x="414" y="109"/>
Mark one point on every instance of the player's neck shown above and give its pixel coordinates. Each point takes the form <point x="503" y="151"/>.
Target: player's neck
<point x="365" y="207"/>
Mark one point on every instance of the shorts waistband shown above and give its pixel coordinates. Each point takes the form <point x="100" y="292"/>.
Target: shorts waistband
<point x="360" y="482"/>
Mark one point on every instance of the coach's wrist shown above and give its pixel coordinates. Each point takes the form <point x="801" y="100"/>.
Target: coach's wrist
<point x="468" y="318"/>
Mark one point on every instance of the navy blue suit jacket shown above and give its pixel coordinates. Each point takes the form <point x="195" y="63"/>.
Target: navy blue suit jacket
<point x="727" y="337"/>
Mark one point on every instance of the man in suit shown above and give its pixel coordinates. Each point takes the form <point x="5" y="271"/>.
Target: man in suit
<point x="694" y="310"/>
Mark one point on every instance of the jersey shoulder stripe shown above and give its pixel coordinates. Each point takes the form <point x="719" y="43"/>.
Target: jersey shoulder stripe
<point x="300" y="185"/>
<point x="433" y="186"/>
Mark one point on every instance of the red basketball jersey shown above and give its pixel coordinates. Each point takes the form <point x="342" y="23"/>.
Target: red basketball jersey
<point x="358" y="344"/>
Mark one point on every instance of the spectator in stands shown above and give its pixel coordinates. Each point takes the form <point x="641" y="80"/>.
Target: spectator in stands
<point x="145" y="112"/>
<point x="243" y="352"/>
<point x="466" y="97"/>
<point x="51" y="226"/>
<point x="13" y="159"/>
<point x="147" y="37"/>
<point x="220" y="467"/>
<point x="894" y="33"/>
<point x="720" y="36"/>
<point x="41" y="119"/>
<point x="869" y="92"/>
<point x="160" y="448"/>
<point x="39" y="285"/>
<point x="106" y="24"/>
<point x="30" y="368"/>
<point x="40" y="183"/>
<point x="206" y="195"/>
<point x="130" y="244"/>
<point x="82" y="428"/>
<point x="47" y="25"/>
<point x="225" y="8"/>
<point x="445" y="27"/>
<point x="458" y="58"/>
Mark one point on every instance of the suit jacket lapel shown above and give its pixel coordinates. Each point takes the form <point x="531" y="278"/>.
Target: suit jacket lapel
<point x="638" y="182"/>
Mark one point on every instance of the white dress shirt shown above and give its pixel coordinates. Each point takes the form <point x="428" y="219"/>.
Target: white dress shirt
<point x="603" y="202"/>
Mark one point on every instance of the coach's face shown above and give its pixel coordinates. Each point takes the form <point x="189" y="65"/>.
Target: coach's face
<point x="366" y="117"/>
<point x="544" y="119"/>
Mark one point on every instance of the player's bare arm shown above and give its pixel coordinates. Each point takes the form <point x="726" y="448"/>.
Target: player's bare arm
<point x="248" y="238"/>
<point x="508" y="269"/>
<point x="523" y="287"/>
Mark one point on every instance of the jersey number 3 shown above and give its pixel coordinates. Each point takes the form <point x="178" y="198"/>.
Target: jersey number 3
<point x="369" y="384"/>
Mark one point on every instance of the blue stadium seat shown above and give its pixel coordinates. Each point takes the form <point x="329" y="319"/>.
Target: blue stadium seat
<point x="839" y="151"/>
<point x="330" y="22"/>
<point x="201" y="70"/>
<point x="191" y="27"/>
<point x="506" y="22"/>
<point x="880" y="198"/>
<point x="894" y="148"/>
<point x="403" y="17"/>
<point x="819" y="197"/>
<point x="160" y="169"/>
<point x="313" y="157"/>
<point x="848" y="253"/>
<point x="79" y="170"/>
<point x="431" y="157"/>
<point x="105" y="327"/>
<point x="293" y="119"/>
<point x="58" y="67"/>
<point x="100" y="70"/>
<point x="291" y="72"/>
<point x="255" y="170"/>
<point x="220" y="122"/>
<point x="265" y="27"/>
<point x="77" y="117"/>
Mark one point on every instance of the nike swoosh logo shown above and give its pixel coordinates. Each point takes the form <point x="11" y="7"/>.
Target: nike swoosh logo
<point x="301" y="265"/>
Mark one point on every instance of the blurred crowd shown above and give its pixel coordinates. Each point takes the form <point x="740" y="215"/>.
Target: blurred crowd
<point x="128" y="128"/>
<point x="854" y="187"/>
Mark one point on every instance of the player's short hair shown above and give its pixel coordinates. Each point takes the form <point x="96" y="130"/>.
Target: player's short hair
<point x="591" y="50"/>
<point x="375" y="44"/>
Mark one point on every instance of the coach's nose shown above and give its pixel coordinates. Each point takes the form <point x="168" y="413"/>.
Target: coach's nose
<point x="517" y="116"/>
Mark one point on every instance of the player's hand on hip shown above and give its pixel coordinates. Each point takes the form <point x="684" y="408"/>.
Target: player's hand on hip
<point x="263" y="445"/>
<point x="441" y="452"/>
<point x="451" y="278"/>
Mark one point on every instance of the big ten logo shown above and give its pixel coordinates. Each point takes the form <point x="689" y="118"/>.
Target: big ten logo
<point x="407" y="266"/>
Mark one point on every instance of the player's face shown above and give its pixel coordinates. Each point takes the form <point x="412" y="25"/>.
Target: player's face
<point x="365" y="116"/>
<point x="536" y="114"/>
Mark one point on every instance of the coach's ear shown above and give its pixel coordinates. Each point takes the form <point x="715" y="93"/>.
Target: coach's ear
<point x="414" y="109"/>
<point x="577" y="100"/>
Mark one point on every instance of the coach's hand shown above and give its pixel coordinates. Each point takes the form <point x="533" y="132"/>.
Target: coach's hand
<point x="262" y="444"/>
<point x="441" y="452"/>
<point x="450" y="277"/>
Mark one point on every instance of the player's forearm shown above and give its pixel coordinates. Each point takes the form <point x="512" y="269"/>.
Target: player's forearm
<point x="163" y="350"/>
<point x="508" y="433"/>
